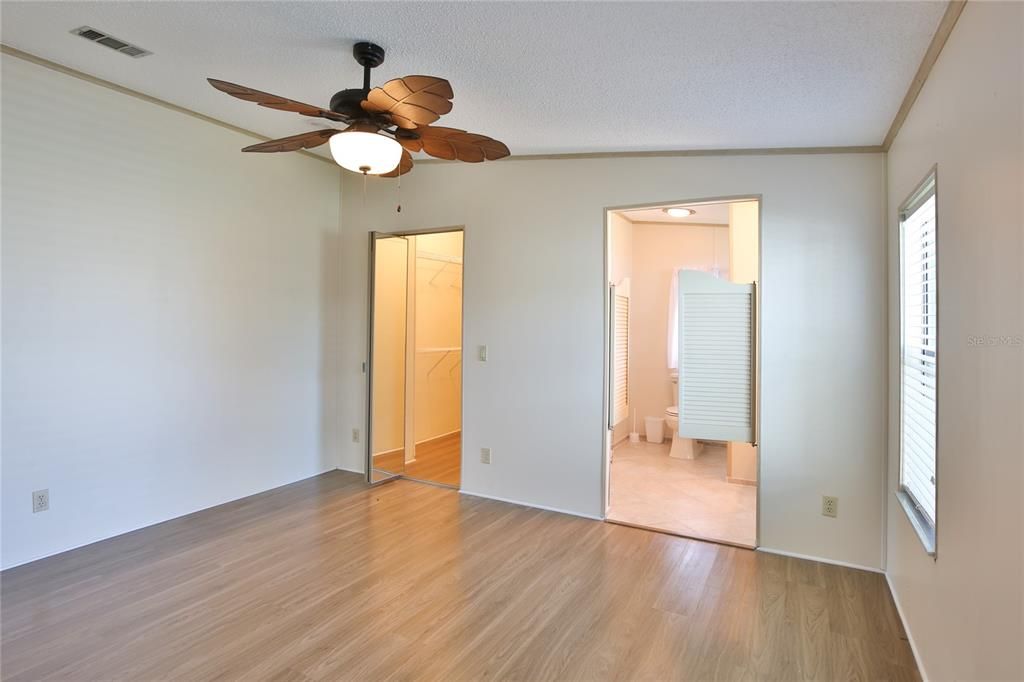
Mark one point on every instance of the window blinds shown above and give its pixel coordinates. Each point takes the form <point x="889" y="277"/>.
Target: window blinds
<point x="919" y="351"/>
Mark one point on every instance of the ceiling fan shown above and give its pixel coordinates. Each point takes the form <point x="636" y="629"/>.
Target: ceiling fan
<point x="384" y="124"/>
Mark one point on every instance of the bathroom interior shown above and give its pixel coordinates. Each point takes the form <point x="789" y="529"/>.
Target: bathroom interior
<point x="415" y="366"/>
<point x="701" y="487"/>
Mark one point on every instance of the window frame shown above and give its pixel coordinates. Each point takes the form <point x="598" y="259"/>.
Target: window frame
<point x="926" y="530"/>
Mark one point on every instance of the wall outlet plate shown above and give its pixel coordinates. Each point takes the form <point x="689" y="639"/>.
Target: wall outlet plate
<point x="829" y="506"/>
<point x="355" y="435"/>
<point x="40" y="500"/>
<point x="481" y="353"/>
<point x="485" y="455"/>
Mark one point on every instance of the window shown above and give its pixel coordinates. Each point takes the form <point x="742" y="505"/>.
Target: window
<point x="919" y="360"/>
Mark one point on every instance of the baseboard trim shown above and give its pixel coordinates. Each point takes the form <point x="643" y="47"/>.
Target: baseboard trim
<point x="534" y="506"/>
<point x="351" y="471"/>
<point x="834" y="562"/>
<point x="384" y="453"/>
<point x="906" y="628"/>
<point x="150" y="524"/>
<point x="740" y="481"/>
<point x="443" y="435"/>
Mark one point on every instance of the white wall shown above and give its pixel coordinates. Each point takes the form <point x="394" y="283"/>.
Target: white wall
<point x="964" y="610"/>
<point x="658" y="250"/>
<point x="744" y="266"/>
<point x="535" y="294"/>
<point x="170" y="325"/>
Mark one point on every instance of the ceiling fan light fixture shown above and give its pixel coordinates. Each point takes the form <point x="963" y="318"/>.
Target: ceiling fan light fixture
<point x="679" y="211"/>
<point x="365" y="152"/>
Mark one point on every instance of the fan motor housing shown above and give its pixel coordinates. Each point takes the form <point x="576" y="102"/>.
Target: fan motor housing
<point x="348" y="102"/>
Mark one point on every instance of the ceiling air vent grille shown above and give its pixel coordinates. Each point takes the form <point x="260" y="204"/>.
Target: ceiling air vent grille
<point x="110" y="41"/>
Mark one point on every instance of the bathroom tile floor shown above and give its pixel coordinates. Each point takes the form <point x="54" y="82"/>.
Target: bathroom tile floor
<point x="685" y="497"/>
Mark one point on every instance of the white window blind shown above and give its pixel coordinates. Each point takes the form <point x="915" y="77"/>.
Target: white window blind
<point x="620" y="354"/>
<point x="919" y="351"/>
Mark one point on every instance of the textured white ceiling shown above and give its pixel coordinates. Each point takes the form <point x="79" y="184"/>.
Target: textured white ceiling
<point x="542" y="77"/>
<point x="706" y="214"/>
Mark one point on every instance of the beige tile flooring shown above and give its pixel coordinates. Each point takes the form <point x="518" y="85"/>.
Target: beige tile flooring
<point x="687" y="497"/>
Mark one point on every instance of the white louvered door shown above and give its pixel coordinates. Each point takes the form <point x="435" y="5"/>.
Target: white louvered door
<point x="716" y="358"/>
<point x="619" y="369"/>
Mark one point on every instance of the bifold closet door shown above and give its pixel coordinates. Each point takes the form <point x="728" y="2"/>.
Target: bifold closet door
<point x="386" y="365"/>
<point x="716" y="358"/>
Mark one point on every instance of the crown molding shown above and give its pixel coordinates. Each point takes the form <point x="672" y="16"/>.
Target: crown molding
<point x="931" y="55"/>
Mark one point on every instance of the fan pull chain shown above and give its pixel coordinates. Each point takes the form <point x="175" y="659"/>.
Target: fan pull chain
<point x="399" y="209"/>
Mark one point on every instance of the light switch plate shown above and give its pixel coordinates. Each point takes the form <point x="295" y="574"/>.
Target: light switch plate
<point x="485" y="455"/>
<point x="481" y="353"/>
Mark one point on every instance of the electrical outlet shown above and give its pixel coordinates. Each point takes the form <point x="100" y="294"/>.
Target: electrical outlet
<point x="481" y="353"/>
<point x="829" y="506"/>
<point x="355" y="435"/>
<point x="485" y="455"/>
<point x="40" y="500"/>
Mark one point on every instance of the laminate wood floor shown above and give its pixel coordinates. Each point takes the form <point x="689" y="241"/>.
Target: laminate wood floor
<point x="438" y="460"/>
<point x="328" y="579"/>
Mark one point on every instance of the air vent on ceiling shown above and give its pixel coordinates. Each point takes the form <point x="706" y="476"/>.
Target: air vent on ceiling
<point x="110" y="41"/>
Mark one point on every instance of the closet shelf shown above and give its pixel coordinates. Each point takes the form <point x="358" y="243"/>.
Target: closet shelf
<point x="429" y="255"/>
<point x="447" y="350"/>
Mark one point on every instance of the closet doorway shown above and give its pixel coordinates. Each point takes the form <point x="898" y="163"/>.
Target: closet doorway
<point x="414" y="368"/>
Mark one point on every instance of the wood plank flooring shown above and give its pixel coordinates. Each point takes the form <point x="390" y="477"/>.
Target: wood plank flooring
<point x="438" y="460"/>
<point x="328" y="579"/>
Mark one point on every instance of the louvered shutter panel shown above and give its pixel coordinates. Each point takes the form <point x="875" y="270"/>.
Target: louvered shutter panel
<point x="620" y="354"/>
<point x="919" y="353"/>
<point x="716" y="358"/>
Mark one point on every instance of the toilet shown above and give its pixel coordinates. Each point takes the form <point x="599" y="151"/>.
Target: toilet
<point x="682" y="448"/>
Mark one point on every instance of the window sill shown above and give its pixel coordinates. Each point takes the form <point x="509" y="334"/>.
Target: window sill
<point x="925" y="531"/>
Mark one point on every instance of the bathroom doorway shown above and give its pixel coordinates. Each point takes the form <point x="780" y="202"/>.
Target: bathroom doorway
<point x="414" y="367"/>
<point x="681" y="453"/>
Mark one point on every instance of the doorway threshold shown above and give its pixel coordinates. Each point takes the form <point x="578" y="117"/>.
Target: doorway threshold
<point x="688" y="536"/>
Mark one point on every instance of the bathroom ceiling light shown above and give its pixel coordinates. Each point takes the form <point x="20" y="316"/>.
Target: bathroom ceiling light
<point x="678" y="211"/>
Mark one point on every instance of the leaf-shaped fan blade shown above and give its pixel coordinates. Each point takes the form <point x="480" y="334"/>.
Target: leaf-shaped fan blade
<point x="403" y="167"/>
<point x="411" y="101"/>
<point x="265" y="99"/>
<point x="293" y="143"/>
<point x="411" y="142"/>
<point x="454" y="144"/>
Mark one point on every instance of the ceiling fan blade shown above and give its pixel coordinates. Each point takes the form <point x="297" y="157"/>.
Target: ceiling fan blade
<point x="409" y="140"/>
<point x="293" y="143"/>
<point x="265" y="99"/>
<point x="403" y="167"/>
<point x="458" y="145"/>
<point x="412" y="101"/>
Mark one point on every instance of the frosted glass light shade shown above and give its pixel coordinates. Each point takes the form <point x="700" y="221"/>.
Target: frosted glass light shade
<point x="362" y="152"/>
